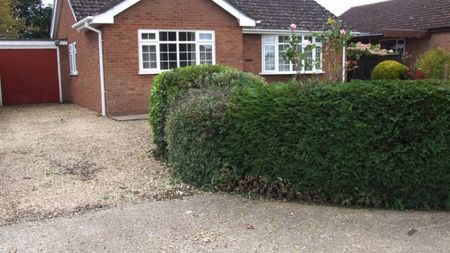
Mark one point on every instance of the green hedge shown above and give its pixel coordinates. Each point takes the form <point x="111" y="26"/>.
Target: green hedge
<point x="378" y="144"/>
<point x="195" y="136"/>
<point x="170" y="86"/>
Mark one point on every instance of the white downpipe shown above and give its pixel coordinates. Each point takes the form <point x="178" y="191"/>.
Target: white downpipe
<point x="344" y="60"/>
<point x="58" y="59"/>
<point x="102" y="74"/>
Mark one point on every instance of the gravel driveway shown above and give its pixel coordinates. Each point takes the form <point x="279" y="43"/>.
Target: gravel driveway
<point x="60" y="159"/>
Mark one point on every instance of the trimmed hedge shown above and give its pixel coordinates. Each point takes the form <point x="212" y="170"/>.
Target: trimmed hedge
<point x="389" y="70"/>
<point x="377" y="144"/>
<point x="170" y="86"/>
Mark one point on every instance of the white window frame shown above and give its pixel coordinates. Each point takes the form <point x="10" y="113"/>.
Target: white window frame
<point x="156" y="42"/>
<point x="73" y="59"/>
<point x="291" y="71"/>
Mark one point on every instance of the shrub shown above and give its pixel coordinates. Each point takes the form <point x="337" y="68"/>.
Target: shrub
<point x="194" y="136"/>
<point x="389" y="70"/>
<point x="432" y="63"/>
<point x="168" y="87"/>
<point x="378" y="144"/>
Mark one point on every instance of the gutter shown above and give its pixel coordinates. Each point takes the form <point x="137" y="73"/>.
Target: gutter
<point x="85" y="24"/>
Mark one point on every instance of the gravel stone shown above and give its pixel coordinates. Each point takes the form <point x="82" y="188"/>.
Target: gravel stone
<point x="62" y="159"/>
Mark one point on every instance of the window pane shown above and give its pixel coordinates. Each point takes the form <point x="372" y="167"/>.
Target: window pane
<point x="172" y="36"/>
<point x="270" y="39"/>
<point x="282" y="63"/>
<point x="186" y="36"/>
<point x="149" y="57"/>
<point x="309" y="60"/>
<point x="163" y="36"/>
<point x="318" y="58"/>
<point x="309" y="38"/>
<point x="269" y="57"/>
<point x="205" y="36"/>
<point x="283" y="39"/>
<point x="168" y="56"/>
<point x="148" y="36"/>
<point x="206" y="54"/>
<point x="187" y="55"/>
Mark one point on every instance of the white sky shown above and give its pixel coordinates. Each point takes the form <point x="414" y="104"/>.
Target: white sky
<point x="336" y="6"/>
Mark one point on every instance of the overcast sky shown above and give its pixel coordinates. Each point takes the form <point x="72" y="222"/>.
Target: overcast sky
<point x="335" y="6"/>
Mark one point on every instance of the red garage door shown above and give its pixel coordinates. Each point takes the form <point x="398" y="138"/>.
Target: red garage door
<point x="29" y="76"/>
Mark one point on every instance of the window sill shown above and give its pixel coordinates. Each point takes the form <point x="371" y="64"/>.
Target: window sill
<point x="73" y="74"/>
<point x="152" y="72"/>
<point x="291" y="73"/>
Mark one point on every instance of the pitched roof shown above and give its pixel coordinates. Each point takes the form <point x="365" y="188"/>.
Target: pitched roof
<point x="273" y="14"/>
<point x="85" y="8"/>
<point x="279" y="14"/>
<point x="399" y="14"/>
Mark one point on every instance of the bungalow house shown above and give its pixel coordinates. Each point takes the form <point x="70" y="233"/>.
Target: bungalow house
<point x="402" y="25"/>
<point x="116" y="47"/>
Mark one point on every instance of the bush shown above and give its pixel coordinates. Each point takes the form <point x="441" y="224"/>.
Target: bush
<point x="168" y="87"/>
<point x="377" y="144"/>
<point x="389" y="70"/>
<point x="432" y="63"/>
<point x="194" y="136"/>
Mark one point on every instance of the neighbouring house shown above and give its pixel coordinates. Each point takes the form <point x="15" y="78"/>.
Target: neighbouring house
<point x="116" y="47"/>
<point x="410" y="26"/>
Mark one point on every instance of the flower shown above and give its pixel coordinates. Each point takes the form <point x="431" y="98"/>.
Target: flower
<point x="306" y="43"/>
<point x="343" y="32"/>
<point x="293" y="27"/>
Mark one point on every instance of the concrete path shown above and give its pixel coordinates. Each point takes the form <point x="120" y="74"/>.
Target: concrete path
<point x="223" y="223"/>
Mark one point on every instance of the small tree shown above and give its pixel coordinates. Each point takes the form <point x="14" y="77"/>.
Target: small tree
<point x="335" y="38"/>
<point x="9" y="25"/>
<point x="297" y="51"/>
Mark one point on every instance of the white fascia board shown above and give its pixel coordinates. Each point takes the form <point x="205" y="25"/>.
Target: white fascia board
<point x="244" y="20"/>
<point x="18" y="44"/>
<point x="108" y="16"/>
<point x="52" y="26"/>
<point x="277" y="31"/>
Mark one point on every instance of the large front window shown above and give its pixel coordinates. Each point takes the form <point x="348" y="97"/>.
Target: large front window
<point x="164" y="50"/>
<point x="273" y="61"/>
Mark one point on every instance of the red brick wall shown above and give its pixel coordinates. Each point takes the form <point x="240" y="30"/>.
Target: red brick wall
<point x="127" y="92"/>
<point x="418" y="47"/>
<point x="83" y="89"/>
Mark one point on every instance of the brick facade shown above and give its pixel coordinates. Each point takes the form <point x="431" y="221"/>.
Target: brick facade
<point x="418" y="47"/>
<point x="127" y="91"/>
<point x="83" y="89"/>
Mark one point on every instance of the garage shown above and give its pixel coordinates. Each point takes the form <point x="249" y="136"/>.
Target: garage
<point x="29" y="72"/>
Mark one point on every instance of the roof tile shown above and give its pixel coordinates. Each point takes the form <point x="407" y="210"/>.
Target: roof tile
<point x="399" y="14"/>
<point x="272" y="14"/>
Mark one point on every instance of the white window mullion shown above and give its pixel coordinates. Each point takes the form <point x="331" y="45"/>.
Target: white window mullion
<point x="277" y="57"/>
<point x="150" y="41"/>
